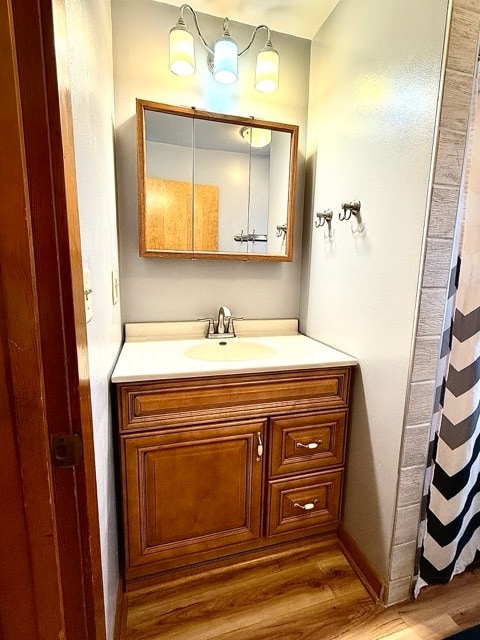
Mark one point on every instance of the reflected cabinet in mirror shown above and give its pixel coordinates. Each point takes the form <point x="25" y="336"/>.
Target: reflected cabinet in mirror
<point x="214" y="186"/>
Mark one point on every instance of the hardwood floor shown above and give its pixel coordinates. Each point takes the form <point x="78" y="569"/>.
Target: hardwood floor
<point x="308" y="597"/>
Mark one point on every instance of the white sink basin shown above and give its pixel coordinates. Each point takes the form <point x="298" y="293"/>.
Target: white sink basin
<point x="229" y="350"/>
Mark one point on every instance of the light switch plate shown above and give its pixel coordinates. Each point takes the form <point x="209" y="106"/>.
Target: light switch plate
<point x="88" y="294"/>
<point x="115" y="287"/>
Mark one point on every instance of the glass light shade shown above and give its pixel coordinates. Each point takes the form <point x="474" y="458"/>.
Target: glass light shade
<point x="225" y="59"/>
<point x="266" y="72"/>
<point x="182" y="52"/>
<point x="257" y="138"/>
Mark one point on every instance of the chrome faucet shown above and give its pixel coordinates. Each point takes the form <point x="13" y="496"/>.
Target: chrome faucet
<point x="224" y="314"/>
<point x="223" y="326"/>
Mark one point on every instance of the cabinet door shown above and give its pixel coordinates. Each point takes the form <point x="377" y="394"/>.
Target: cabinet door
<point x="190" y="493"/>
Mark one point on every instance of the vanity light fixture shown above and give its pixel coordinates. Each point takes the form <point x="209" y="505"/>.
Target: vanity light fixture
<point x="256" y="138"/>
<point x="222" y="56"/>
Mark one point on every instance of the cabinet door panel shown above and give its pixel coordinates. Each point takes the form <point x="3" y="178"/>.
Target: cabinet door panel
<point x="307" y="442"/>
<point x="304" y="503"/>
<point x="191" y="491"/>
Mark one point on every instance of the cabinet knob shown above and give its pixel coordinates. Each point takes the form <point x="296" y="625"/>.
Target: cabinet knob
<point x="310" y="445"/>
<point x="306" y="507"/>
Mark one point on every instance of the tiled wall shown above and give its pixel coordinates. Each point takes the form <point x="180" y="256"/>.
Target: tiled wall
<point x="455" y="107"/>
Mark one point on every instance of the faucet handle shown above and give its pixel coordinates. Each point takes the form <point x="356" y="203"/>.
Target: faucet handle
<point x="230" y="327"/>
<point x="211" y="325"/>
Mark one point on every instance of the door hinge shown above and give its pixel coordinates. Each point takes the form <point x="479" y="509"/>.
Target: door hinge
<point x="67" y="449"/>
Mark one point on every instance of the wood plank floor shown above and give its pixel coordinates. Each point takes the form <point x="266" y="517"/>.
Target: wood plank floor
<point x="308" y="597"/>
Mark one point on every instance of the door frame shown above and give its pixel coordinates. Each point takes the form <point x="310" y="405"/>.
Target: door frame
<point x="50" y="520"/>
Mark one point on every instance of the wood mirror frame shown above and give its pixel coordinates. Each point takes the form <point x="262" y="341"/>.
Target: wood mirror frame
<point x="201" y="213"/>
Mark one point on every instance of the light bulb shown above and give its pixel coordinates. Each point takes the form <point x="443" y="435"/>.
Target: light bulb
<point x="266" y="72"/>
<point x="225" y="58"/>
<point x="182" y="52"/>
<point x="257" y="138"/>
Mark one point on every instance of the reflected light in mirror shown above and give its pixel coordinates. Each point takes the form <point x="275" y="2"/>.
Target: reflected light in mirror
<point x="182" y="51"/>
<point x="257" y="138"/>
<point x="238" y="174"/>
<point x="266" y="72"/>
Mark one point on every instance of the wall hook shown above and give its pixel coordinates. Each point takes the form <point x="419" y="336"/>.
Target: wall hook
<point x="349" y="209"/>
<point x="281" y="230"/>
<point x="322" y="218"/>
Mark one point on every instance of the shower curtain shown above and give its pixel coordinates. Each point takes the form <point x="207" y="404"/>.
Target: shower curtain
<point x="450" y="533"/>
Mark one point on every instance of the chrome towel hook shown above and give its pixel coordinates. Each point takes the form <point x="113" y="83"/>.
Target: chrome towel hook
<point x="281" y="230"/>
<point x="349" y="209"/>
<point x="322" y="218"/>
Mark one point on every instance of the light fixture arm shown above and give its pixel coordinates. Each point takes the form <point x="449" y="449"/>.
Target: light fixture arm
<point x="194" y="14"/>
<point x="225" y="28"/>
<point x="255" y="31"/>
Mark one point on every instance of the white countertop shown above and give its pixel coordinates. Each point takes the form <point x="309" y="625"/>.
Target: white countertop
<point x="156" y="351"/>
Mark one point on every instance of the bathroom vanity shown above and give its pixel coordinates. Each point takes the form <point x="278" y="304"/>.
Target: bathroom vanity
<point x="227" y="453"/>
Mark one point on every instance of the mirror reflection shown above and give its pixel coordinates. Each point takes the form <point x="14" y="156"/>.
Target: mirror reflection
<point x="214" y="186"/>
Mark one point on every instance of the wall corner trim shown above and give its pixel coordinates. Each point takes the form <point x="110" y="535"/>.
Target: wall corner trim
<point x="120" y="612"/>
<point x="365" y="572"/>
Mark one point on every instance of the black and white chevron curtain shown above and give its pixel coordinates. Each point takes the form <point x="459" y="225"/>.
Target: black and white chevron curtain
<point x="450" y="534"/>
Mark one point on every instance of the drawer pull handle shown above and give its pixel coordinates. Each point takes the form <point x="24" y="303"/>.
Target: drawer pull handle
<point x="306" y="507"/>
<point x="259" y="446"/>
<point x="310" y="445"/>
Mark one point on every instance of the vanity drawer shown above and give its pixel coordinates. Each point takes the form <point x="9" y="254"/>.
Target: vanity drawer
<point x="175" y="402"/>
<point x="305" y="503"/>
<point x="306" y="442"/>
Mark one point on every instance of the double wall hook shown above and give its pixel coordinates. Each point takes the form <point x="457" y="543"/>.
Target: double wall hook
<point x="349" y="209"/>
<point x="322" y="218"/>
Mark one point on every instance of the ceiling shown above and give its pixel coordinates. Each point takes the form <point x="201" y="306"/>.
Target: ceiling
<point x="301" y="18"/>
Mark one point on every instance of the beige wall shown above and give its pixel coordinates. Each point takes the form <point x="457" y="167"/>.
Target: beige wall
<point x="154" y="289"/>
<point x="374" y="88"/>
<point x="91" y="79"/>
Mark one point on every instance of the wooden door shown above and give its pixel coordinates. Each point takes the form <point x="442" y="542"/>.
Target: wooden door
<point x="50" y="571"/>
<point x="178" y="218"/>
<point x="199" y="491"/>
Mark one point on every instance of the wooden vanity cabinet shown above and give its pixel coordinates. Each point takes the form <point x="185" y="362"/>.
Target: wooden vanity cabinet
<point x="214" y="468"/>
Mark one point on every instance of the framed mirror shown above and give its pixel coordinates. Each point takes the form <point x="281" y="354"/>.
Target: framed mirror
<point x="214" y="186"/>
